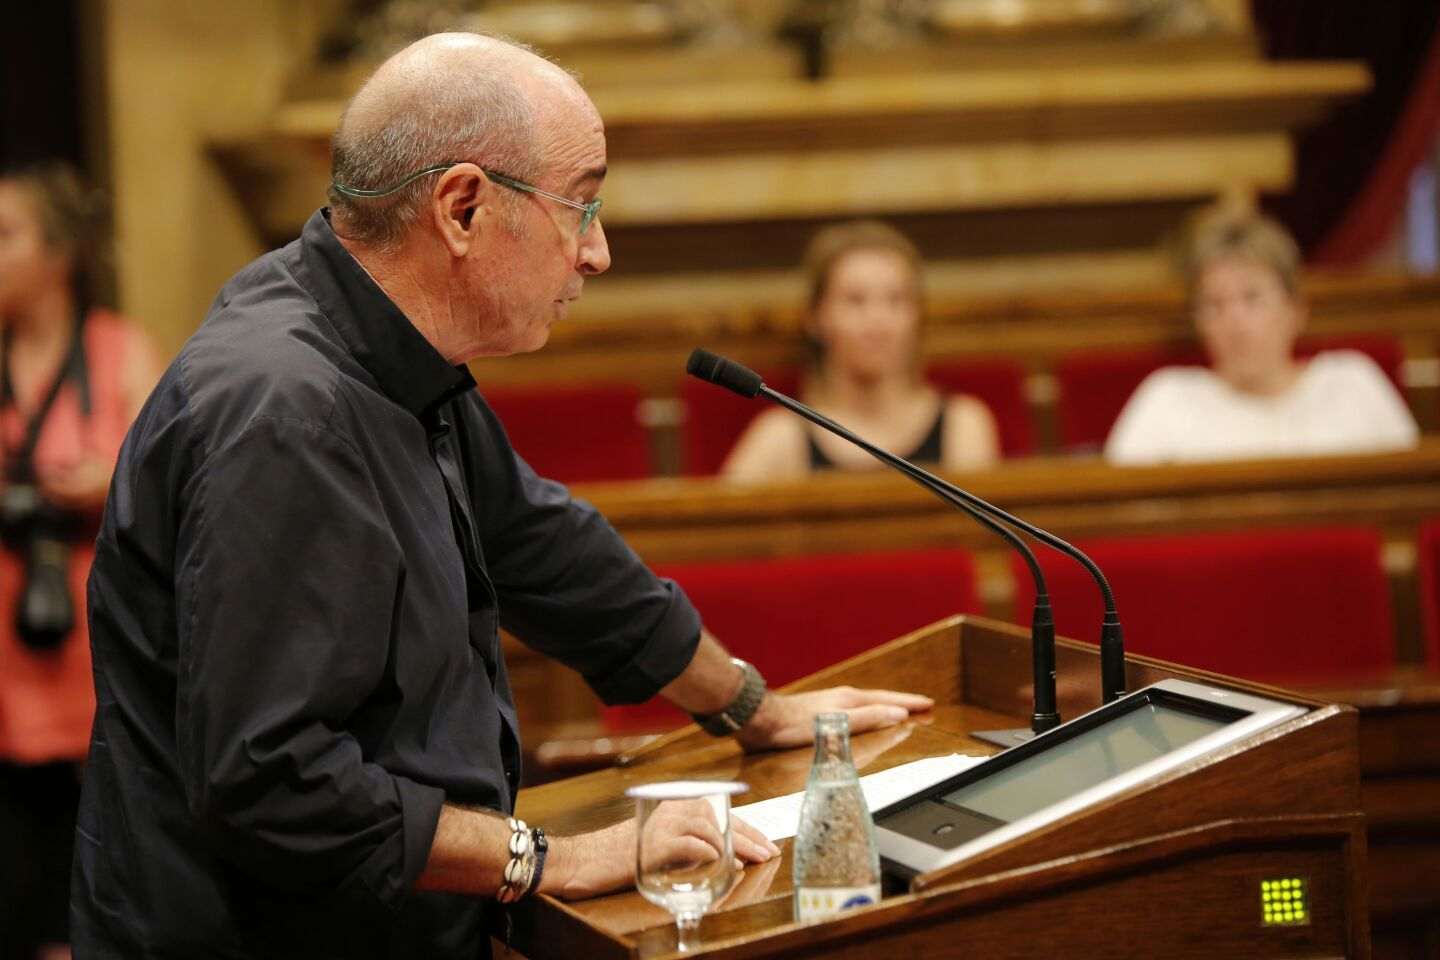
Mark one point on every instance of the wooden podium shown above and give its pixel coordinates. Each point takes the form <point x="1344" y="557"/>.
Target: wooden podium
<point x="1173" y="868"/>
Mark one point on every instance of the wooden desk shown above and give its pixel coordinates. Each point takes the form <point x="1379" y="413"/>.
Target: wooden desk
<point x="1171" y="868"/>
<point x="1400" y="792"/>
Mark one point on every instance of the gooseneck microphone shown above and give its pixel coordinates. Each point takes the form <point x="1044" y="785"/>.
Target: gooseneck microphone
<point x="1045" y="714"/>
<point x="747" y="383"/>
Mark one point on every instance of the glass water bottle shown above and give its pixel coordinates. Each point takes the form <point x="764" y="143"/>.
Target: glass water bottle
<point x="837" y="865"/>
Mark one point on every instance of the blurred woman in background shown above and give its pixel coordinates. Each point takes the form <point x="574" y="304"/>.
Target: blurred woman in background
<point x="1256" y="399"/>
<point x="72" y="377"/>
<point x="863" y="322"/>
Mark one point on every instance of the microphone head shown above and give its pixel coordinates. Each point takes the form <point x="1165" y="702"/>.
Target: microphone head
<point x="724" y="373"/>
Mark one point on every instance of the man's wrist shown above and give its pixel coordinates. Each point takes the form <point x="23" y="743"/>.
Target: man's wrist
<point x="559" y="867"/>
<point x="760" y="731"/>
<point x="741" y="708"/>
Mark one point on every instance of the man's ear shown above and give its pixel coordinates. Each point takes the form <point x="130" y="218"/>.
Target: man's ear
<point x="461" y="206"/>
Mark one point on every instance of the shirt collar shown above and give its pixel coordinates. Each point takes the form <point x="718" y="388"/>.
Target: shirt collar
<point x="384" y="341"/>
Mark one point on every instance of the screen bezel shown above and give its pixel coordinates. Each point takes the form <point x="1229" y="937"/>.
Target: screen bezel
<point x="1081" y="725"/>
<point x="1243" y="714"/>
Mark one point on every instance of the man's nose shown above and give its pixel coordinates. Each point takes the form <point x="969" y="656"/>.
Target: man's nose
<point x="594" y="252"/>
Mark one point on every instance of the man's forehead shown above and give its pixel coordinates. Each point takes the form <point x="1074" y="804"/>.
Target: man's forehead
<point x="595" y="173"/>
<point x="574" y="144"/>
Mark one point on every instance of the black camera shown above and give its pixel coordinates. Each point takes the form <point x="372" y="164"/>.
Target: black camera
<point x="32" y="527"/>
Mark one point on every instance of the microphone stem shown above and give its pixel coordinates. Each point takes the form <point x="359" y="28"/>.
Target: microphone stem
<point x="1046" y="713"/>
<point x="1112" y="651"/>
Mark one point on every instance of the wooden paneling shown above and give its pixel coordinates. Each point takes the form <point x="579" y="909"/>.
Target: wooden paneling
<point x="618" y="332"/>
<point x="177" y="76"/>
<point x="1057" y="52"/>
<point x="694" y="519"/>
<point x="1400" y="793"/>
<point x="1113" y="100"/>
<point x="751" y="151"/>
<point x="868" y="182"/>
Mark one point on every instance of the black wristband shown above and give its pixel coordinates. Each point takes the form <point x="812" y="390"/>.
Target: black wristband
<point x="541" y="846"/>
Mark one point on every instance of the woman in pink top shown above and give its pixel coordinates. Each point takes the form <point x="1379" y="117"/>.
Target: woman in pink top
<point x="72" y="377"/>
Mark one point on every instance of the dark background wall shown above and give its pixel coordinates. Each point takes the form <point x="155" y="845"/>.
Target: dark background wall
<point x="40" y="83"/>
<point x="1335" y="160"/>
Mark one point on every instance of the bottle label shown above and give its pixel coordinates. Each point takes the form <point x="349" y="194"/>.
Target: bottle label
<point x="816" y="903"/>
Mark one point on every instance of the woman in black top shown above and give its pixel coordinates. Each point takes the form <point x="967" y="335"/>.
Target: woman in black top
<point x="864" y="324"/>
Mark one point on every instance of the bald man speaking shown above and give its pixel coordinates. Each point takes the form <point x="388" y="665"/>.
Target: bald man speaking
<point x="305" y="743"/>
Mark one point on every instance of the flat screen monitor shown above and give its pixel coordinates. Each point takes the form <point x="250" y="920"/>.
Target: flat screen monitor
<point x="1115" y="748"/>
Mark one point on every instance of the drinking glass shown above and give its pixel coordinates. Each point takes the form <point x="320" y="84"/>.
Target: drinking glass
<point x="684" y="858"/>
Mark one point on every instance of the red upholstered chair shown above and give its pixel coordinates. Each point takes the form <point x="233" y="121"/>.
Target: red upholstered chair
<point x="1001" y="385"/>
<point x="576" y="433"/>
<point x="715" y="418"/>
<point x="1280" y="606"/>
<point x="1429" y="576"/>
<point x="794" y="615"/>
<point x="1095" y="384"/>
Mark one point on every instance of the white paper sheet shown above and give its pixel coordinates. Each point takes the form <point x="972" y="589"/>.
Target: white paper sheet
<point x="779" y="817"/>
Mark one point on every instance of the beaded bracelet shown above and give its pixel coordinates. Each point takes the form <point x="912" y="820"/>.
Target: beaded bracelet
<point x="520" y="870"/>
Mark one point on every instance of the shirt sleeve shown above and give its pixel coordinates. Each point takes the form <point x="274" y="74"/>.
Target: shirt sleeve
<point x="286" y="578"/>
<point x="569" y="586"/>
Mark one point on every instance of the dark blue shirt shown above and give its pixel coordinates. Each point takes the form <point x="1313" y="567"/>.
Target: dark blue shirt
<point x="315" y="531"/>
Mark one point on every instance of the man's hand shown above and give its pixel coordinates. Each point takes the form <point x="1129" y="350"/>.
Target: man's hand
<point x="788" y="720"/>
<point x="710" y="682"/>
<point x="599" y="862"/>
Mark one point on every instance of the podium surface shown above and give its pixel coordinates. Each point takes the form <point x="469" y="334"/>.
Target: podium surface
<point x="1179" y="865"/>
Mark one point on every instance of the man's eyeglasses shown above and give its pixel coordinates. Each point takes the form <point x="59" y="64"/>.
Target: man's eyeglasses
<point x="588" y="210"/>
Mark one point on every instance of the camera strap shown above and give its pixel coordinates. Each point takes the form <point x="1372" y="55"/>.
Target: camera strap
<point x="21" y="460"/>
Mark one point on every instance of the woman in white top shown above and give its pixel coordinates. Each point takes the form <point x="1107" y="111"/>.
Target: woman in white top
<point x="1256" y="399"/>
<point x="864" y="325"/>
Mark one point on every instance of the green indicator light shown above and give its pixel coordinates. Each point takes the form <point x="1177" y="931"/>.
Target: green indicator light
<point x="1282" y="902"/>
